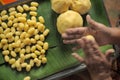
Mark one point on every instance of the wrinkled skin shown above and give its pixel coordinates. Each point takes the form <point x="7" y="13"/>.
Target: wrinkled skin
<point x="97" y="63"/>
<point x="103" y="34"/>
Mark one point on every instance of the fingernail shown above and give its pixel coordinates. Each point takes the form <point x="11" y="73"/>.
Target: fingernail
<point x="73" y="54"/>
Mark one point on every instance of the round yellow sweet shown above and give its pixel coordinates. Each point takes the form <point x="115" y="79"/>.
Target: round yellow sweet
<point x="81" y="6"/>
<point x="60" y="6"/>
<point x="68" y="19"/>
<point x="90" y="37"/>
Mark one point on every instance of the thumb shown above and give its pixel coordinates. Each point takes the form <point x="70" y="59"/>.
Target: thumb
<point x="109" y="55"/>
<point x="79" y="58"/>
<point x="93" y="24"/>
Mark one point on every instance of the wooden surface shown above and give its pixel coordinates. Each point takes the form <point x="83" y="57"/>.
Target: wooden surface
<point x="113" y="11"/>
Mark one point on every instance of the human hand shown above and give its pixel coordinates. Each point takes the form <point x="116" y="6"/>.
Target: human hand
<point x="101" y="33"/>
<point x="97" y="63"/>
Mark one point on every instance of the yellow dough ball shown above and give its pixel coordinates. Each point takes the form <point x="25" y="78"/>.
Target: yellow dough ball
<point x="60" y="6"/>
<point x="81" y="6"/>
<point x="90" y="37"/>
<point x="68" y="19"/>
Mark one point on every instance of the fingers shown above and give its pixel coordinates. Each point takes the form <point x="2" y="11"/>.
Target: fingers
<point x="88" y="51"/>
<point x="77" y="30"/>
<point x="93" y="24"/>
<point x="91" y="21"/>
<point x="68" y="37"/>
<point x="76" y="48"/>
<point x="74" y="41"/>
<point x="80" y="59"/>
<point x="73" y="33"/>
<point x="109" y="54"/>
<point x="91" y="48"/>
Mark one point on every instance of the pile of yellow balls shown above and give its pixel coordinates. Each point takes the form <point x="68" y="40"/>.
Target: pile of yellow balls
<point x="22" y="40"/>
<point x="70" y="13"/>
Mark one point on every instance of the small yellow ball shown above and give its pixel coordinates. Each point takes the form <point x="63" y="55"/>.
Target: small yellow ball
<point x="90" y="37"/>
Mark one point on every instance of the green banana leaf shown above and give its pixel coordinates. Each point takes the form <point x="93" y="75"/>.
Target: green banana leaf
<point x="58" y="54"/>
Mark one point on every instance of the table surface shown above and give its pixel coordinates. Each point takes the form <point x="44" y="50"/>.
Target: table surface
<point x="113" y="11"/>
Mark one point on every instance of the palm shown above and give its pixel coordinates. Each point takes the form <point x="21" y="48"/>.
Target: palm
<point x="99" y="31"/>
<point x="102" y="36"/>
<point x="97" y="63"/>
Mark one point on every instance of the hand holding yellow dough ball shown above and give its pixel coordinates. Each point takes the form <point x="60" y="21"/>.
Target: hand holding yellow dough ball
<point x="68" y="19"/>
<point x="81" y="6"/>
<point x="60" y="6"/>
